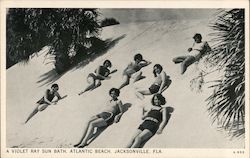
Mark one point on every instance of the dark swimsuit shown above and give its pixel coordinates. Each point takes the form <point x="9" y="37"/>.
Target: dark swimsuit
<point x="154" y="88"/>
<point x="103" y="72"/>
<point x="152" y="121"/>
<point x="50" y="97"/>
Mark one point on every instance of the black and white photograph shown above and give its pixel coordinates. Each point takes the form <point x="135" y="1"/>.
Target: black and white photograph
<point x="94" y="80"/>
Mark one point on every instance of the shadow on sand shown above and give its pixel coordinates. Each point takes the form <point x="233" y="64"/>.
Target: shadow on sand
<point x="52" y="76"/>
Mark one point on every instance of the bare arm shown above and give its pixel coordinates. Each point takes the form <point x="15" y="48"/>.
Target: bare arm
<point x="145" y="114"/>
<point x="163" y="83"/>
<point x="191" y="48"/>
<point x="113" y="71"/>
<point x="144" y="63"/>
<point x="58" y="97"/>
<point x="118" y="116"/>
<point x="164" y="121"/>
<point x="46" y="97"/>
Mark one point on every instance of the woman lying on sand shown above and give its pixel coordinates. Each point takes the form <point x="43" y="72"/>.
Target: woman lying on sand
<point x="161" y="83"/>
<point x="154" y="122"/>
<point x="101" y="73"/>
<point x="133" y="70"/>
<point x="111" y="114"/>
<point x="46" y="100"/>
<point x="195" y="53"/>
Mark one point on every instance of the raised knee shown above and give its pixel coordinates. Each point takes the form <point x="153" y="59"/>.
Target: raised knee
<point x="98" y="83"/>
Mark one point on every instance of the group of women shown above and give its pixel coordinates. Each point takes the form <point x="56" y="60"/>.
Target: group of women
<point x="154" y="120"/>
<point x="113" y="111"/>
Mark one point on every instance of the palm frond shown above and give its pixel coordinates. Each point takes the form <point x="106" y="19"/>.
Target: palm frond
<point x="227" y="103"/>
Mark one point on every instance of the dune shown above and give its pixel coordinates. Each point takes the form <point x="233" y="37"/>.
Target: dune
<point x="61" y="125"/>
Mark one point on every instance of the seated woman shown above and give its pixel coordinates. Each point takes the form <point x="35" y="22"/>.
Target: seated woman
<point x="101" y="73"/>
<point x="161" y="83"/>
<point x="111" y="114"/>
<point x="46" y="100"/>
<point x="195" y="53"/>
<point x="133" y="70"/>
<point x="154" y="122"/>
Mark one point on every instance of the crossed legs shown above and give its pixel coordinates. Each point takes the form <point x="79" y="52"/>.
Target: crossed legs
<point x="92" y="84"/>
<point x="89" y="131"/>
<point x="39" y="107"/>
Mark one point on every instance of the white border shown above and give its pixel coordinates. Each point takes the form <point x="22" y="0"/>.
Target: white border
<point x="126" y="4"/>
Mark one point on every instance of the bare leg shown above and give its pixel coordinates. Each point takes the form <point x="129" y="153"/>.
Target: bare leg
<point x="168" y="82"/>
<point x="85" y="130"/>
<point x="187" y="62"/>
<point x="38" y="108"/>
<point x="136" y="76"/>
<point x="144" y="142"/>
<point x="90" y="132"/>
<point x="91" y="85"/>
<point x="96" y="134"/>
<point x="124" y="82"/>
<point x="179" y="59"/>
<point x="97" y="84"/>
<point x="131" y="142"/>
<point x="144" y="135"/>
<point x="140" y="94"/>
<point x="32" y="114"/>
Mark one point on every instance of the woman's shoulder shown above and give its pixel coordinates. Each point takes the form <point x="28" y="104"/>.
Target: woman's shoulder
<point x="118" y="101"/>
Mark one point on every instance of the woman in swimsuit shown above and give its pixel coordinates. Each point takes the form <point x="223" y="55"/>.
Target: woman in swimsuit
<point x="195" y="53"/>
<point x="46" y="100"/>
<point x="111" y="114"/>
<point x="133" y="70"/>
<point x="101" y="73"/>
<point x="161" y="83"/>
<point x="154" y="122"/>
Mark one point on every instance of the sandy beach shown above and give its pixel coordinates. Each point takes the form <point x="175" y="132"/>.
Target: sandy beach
<point x="61" y="125"/>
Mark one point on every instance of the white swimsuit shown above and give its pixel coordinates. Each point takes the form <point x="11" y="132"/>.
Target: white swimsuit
<point x="197" y="49"/>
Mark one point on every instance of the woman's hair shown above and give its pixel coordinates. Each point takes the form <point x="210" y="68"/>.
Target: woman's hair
<point x="138" y="57"/>
<point x="197" y="35"/>
<point x="54" y="85"/>
<point x="108" y="62"/>
<point x="158" y="66"/>
<point x="117" y="91"/>
<point x="160" y="97"/>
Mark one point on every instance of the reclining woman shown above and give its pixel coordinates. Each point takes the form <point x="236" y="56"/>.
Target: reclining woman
<point x="154" y="122"/>
<point x="198" y="49"/>
<point x="111" y="114"/>
<point x="101" y="73"/>
<point x="133" y="70"/>
<point x="161" y="83"/>
<point x="46" y="100"/>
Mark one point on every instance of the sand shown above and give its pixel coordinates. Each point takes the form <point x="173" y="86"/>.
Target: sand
<point x="61" y="125"/>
